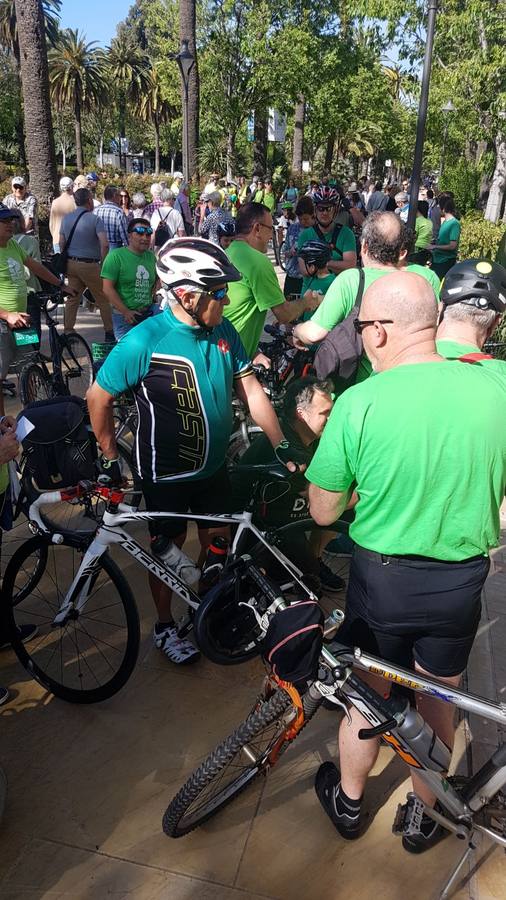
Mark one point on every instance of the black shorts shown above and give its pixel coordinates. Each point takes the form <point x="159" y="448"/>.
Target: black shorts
<point x="201" y="496"/>
<point x="406" y="610"/>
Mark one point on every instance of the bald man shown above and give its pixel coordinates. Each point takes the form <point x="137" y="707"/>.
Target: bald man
<point x="423" y="444"/>
<point x="385" y="242"/>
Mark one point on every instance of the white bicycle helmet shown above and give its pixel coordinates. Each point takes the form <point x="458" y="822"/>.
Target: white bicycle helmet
<point x="195" y="261"/>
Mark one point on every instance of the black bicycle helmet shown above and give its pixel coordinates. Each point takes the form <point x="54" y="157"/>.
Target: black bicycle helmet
<point x="226" y="228"/>
<point x="326" y="196"/>
<point x="195" y="261"/>
<point x="315" y="253"/>
<point x="475" y="282"/>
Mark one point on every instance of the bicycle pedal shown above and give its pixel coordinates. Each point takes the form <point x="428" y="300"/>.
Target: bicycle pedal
<point x="408" y="817"/>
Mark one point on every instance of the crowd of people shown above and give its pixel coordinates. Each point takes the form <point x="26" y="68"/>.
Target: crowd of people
<point x="416" y="454"/>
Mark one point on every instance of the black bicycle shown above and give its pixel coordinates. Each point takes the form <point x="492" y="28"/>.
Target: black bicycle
<point x="68" y="370"/>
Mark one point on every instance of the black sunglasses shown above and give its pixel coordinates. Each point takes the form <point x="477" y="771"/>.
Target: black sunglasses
<point x="360" y="324"/>
<point x="325" y="208"/>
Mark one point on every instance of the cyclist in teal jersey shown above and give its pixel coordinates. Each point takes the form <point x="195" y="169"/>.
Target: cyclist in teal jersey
<point x="181" y="366"/>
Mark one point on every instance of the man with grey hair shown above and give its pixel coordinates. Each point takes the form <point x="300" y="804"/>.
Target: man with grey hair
<point x="423" y="444"/>
<point x="166" y="221"/>
<point x="209" y="226"/>
<point x="139" y="205"/>
<point x="384" y="246"/>
<point x="473" y="300"/>
<point x="155" y="190"/>
<point x="402" y="204"/>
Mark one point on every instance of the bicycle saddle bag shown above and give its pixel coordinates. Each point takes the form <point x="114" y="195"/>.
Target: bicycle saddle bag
<point x="59" y="450"/>
<point x="294" y="640"/>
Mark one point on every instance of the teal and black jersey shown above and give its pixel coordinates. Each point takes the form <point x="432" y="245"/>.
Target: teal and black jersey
<point x="181" y="377"/>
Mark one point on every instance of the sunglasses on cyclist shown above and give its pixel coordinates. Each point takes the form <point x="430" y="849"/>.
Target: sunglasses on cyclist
<point x="219" y="294"/>
<point x="360" y="324"/>
<point x="142" y="229"/>
<point x="324" y="208"/>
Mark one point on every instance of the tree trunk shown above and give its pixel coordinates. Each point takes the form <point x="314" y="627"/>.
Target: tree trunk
<point x="36" y="106"/>
<point x="329" y="151"/>
<point x="230" y="154"/>
<point x="187" y="31"/>
<point x="79" y="138"/>
<point x="298" y="136"/>
<point x="101" y="151"/>
<point x="63" y="155"/>
<point x="156" y="125"/>
<point x="498" y="186"/>
<point x="260" y="141"/>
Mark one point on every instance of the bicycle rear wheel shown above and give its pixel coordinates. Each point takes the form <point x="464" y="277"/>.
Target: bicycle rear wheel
<point x="35" y="384"/>
<point x="91" y="655"/>
<point x="253" y="748"/>
<point x="76" y="364"/>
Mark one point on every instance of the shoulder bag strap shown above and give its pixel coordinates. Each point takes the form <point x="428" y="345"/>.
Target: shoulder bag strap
<point x="71" y="233"/>
<point x="360" y="289"/>
<point x="474" y="357"/>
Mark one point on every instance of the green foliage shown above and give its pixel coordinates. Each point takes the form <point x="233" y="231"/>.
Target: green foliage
<point x="77" y="72"/>
<point x="479" y="237"/>
<point x="463" y="178"/>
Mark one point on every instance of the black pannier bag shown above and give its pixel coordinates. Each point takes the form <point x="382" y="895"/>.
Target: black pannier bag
<point x="293" y="642"/>
<point x="60" y="450"/>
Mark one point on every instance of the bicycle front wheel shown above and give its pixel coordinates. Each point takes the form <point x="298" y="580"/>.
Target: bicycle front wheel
<point x="76" y="364"/>
<point x="231" y="767"/>
<point x="34" y="384"/>
<point x="92" y="653"/>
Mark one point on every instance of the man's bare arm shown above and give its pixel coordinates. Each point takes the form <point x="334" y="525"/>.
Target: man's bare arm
<point x="325" y="507"/>
<point x="100" y="406"/>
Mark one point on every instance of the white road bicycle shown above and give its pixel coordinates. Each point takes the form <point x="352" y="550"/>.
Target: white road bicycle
<point x="66" y="582"/>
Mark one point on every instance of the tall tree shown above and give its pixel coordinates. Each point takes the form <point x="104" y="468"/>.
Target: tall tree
<point x="156" y="110"/>
<point x="36" y="102"/>
<point x="128" y="69"/>
<point x="298" y="135"/>
<point x="9" y="24"/>
<point x="187" y="31"/>
<point x="77" y="78"/>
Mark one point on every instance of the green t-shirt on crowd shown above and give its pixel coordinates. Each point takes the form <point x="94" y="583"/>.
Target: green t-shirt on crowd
<point x="251" y="297"/>
<point x="316" y="283"/>
<point x="424" y="446"/>
<point x="345" y="241"/>
<point x="449" y="231"/>
<point x="429" y="276"/>
<point x="133" y="274"/>
<point x="423" y="231"/>
<point x="13" y="288"/>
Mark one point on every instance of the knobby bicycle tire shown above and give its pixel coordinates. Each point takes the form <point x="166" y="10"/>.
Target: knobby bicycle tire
<point x="75" y="352"/>
<point x="34" y="384"/>
<point x="263" y="716"/>
<point x="41" y="611"/>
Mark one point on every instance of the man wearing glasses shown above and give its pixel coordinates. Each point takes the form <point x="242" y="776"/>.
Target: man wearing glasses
<point x="258" y="290"/>
<point x="23" y="202"/>
<point x="423" y="445"/>
<point x="340" y="238"/>
<point x="129" y="279"/>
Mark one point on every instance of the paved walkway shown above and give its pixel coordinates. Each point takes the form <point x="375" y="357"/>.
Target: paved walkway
<point x="88" y="787"/>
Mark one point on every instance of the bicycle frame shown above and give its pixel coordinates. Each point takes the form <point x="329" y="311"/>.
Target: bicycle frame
<point x="110" y="532"/>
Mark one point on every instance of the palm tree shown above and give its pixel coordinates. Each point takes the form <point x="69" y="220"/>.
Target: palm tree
<point x="187" y="32"/>
<point x="128" y="70"/>
<point x="77" y="78"/>
<point x="9" y="26"/>
<point x="36" y="102"/>
<point x="154" y="108"/>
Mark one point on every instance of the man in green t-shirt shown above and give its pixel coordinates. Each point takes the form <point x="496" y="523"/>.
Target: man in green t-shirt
<point x="259" y="288"/>
<point x="340" y="238"/>
<point x="473" y="300"/>
<point x="384" y="248"/>
<point x="129" y="279"/>
<point x="423" y="445"/>
<point x="444" y="251"/>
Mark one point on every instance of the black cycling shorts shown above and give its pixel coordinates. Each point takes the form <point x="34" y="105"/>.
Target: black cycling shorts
<point x="200" y="496"/>
<point x="405" y="610"/>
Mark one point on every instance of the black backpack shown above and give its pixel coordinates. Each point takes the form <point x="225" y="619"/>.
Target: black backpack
<point x="163" y="232"/>
<point x="294" y="640"/>
<point x="60" y="450"/>
<point x="339" y="353"/>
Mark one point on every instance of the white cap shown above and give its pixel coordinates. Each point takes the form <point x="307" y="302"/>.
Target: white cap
<point x="65" y="183"/>
<point x="18" y="179"/>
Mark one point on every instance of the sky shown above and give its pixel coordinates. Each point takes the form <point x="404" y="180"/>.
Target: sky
<point x="96" y="18"/>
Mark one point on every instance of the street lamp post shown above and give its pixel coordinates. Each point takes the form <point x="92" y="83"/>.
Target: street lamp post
<point x="447" y="109"/>
<point x="422" y="114"/>
<point x="185" y="60"/>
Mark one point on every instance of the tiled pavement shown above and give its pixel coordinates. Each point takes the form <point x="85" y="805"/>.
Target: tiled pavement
<point x="88" y="787"/>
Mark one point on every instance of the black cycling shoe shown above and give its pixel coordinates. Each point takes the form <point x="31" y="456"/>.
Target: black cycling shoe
<point x="430" y="834"/>
<point x="331" y="583"/>
<point x="344" y="817"/>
